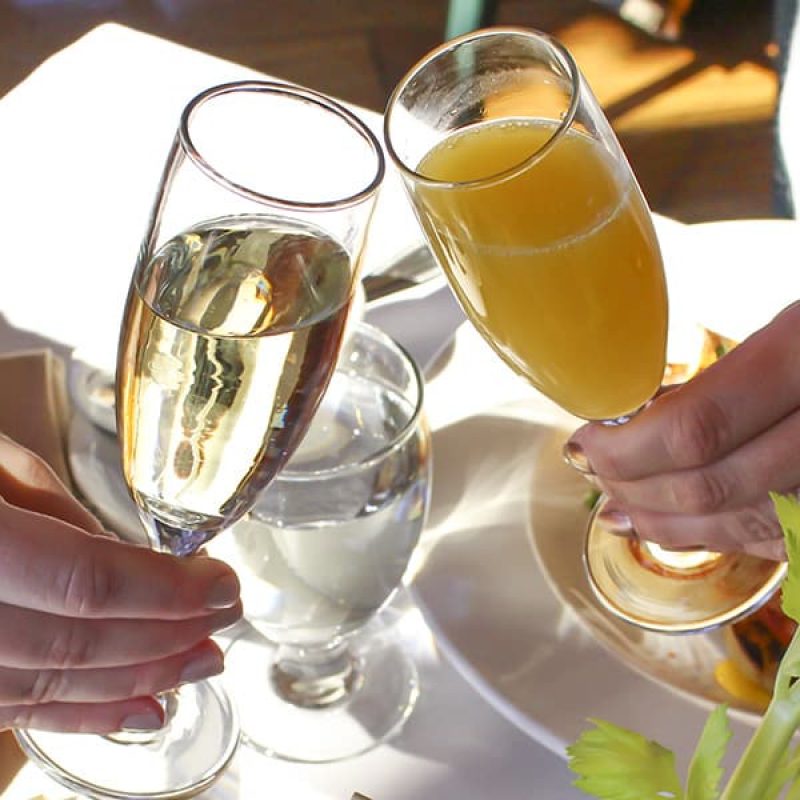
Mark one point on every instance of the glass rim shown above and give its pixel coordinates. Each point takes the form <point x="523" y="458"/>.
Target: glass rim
<point x="454" y="44"/>
<point x="297" y="92"/>
<point x="287" y="475"/>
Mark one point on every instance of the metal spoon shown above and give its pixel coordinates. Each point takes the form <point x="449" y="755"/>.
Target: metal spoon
<point x="412" y="269"/>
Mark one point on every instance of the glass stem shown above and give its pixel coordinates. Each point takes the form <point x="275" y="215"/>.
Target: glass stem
<point x="577" y="459"/>
<point x="315" y="677"/>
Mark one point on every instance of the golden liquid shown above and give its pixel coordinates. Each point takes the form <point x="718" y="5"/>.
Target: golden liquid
<point x="230" y="337"/>
<point x="558" y="265"/>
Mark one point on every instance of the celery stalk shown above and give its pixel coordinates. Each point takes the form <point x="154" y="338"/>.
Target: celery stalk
<point x="613" y="763"/>
<point x="766" y="750"/>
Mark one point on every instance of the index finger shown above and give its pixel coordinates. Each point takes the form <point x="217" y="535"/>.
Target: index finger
<point x="753" y="387"/>
<point x="49" y="565"/>
<point x="27" y="480"/>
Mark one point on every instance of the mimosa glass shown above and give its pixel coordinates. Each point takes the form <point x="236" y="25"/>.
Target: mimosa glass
<point x="530" y="205"/>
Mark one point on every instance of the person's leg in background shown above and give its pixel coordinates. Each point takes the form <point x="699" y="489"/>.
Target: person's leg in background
<point x="787" y="118"/>
<point x="464" y="16"/>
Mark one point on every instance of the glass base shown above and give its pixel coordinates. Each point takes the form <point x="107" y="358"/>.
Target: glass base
<point x="672" y="591"/>
<point x="383" y="693"/>
<point x="177" y="761"/>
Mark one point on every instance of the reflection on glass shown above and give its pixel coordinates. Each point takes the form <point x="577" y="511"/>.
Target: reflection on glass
<point x="531" y="207"/>
<point x="323" y="552"/>
<point x="234" y="321"/>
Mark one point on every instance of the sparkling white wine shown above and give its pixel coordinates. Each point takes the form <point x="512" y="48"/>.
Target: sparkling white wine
<point x="230" y="336"/>
<point x="326" y="546"/>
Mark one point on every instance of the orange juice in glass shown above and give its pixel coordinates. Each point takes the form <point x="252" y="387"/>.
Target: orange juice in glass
<point x="530" y="205"/>
<point x="557" y="264"/>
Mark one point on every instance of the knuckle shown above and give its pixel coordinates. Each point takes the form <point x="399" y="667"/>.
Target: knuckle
<point x="87" y="586"/>
<point x="698" y="432"/>
<point x="44" y="688"/>
<point x="702" y="491"/>
<point x="71" y="646"/>
<point x="154" y="682"/>
<point x="33" y="470"/>
<point x="758" y="525"/>
<point x="19" y="717"/>
<point x="791" y="312"/>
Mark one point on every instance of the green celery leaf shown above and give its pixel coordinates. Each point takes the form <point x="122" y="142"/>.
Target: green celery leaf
<point x="705" y="770"/>
<point x="591" y="497"/>
<point x="788" y="510"/>
<point x="614" y="763"/>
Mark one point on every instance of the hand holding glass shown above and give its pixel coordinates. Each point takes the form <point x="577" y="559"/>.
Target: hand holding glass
<point x="531" y="207"/>
<point x="233" y="325"/>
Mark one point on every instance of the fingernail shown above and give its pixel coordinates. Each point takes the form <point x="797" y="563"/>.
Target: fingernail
<point x="205" y="665"/>
<point x="615" y="521"/>
<point x="224" y="593"/>
<point x="225" y="618"/>
<point x="145" y="721"/>
<point x="576" y="458"/>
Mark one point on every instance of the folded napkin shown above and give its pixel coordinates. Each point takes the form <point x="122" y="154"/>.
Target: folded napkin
<point x="34" y="405"/>
<point x="33" y="412"/>
<point x="11" y="759"/>
<point x="117" y="94"/>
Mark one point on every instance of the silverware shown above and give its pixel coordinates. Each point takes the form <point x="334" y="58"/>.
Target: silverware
<point x="412" y="269"/>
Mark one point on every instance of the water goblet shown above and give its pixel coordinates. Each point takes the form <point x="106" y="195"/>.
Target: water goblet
<point x="235" y="317"/>
<point x="324" y="550"/>
<point x="529" y="204"/>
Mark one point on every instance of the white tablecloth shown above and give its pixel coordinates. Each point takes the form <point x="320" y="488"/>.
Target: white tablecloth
<point x="82" y="143"/>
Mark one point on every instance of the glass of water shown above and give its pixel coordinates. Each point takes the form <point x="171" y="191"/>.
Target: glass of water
<point x="318" y="678"/>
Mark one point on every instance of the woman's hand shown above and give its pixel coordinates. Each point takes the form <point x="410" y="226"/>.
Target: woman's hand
<point x="91" y="627"/>
<point x="695" y="467"/>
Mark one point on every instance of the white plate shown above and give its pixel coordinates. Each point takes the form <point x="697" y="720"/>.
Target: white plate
<point x="500" y="578"/>
<point x="501" y="584"/>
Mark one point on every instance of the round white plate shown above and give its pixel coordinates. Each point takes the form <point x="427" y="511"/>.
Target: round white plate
<point x="500" y="578"/>
<point x="501" y="583"/>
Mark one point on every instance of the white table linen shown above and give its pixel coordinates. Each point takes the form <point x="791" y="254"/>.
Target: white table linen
<point x="82" y="144"/>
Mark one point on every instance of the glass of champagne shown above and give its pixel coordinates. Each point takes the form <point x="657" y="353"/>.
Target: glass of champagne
<point x="322" y="676"/>
<point x="234" y="321"/>
<point x="527" y="200"/>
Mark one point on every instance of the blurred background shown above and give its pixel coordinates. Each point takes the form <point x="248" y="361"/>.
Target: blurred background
<point x="691" y="86"/>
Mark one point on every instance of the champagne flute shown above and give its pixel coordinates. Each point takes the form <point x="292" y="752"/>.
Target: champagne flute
<point x="532" y="210"/>
<point x="233" y="325"/>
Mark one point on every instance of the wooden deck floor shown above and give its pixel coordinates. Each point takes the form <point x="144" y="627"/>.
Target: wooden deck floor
<point x="696" y="116"/>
